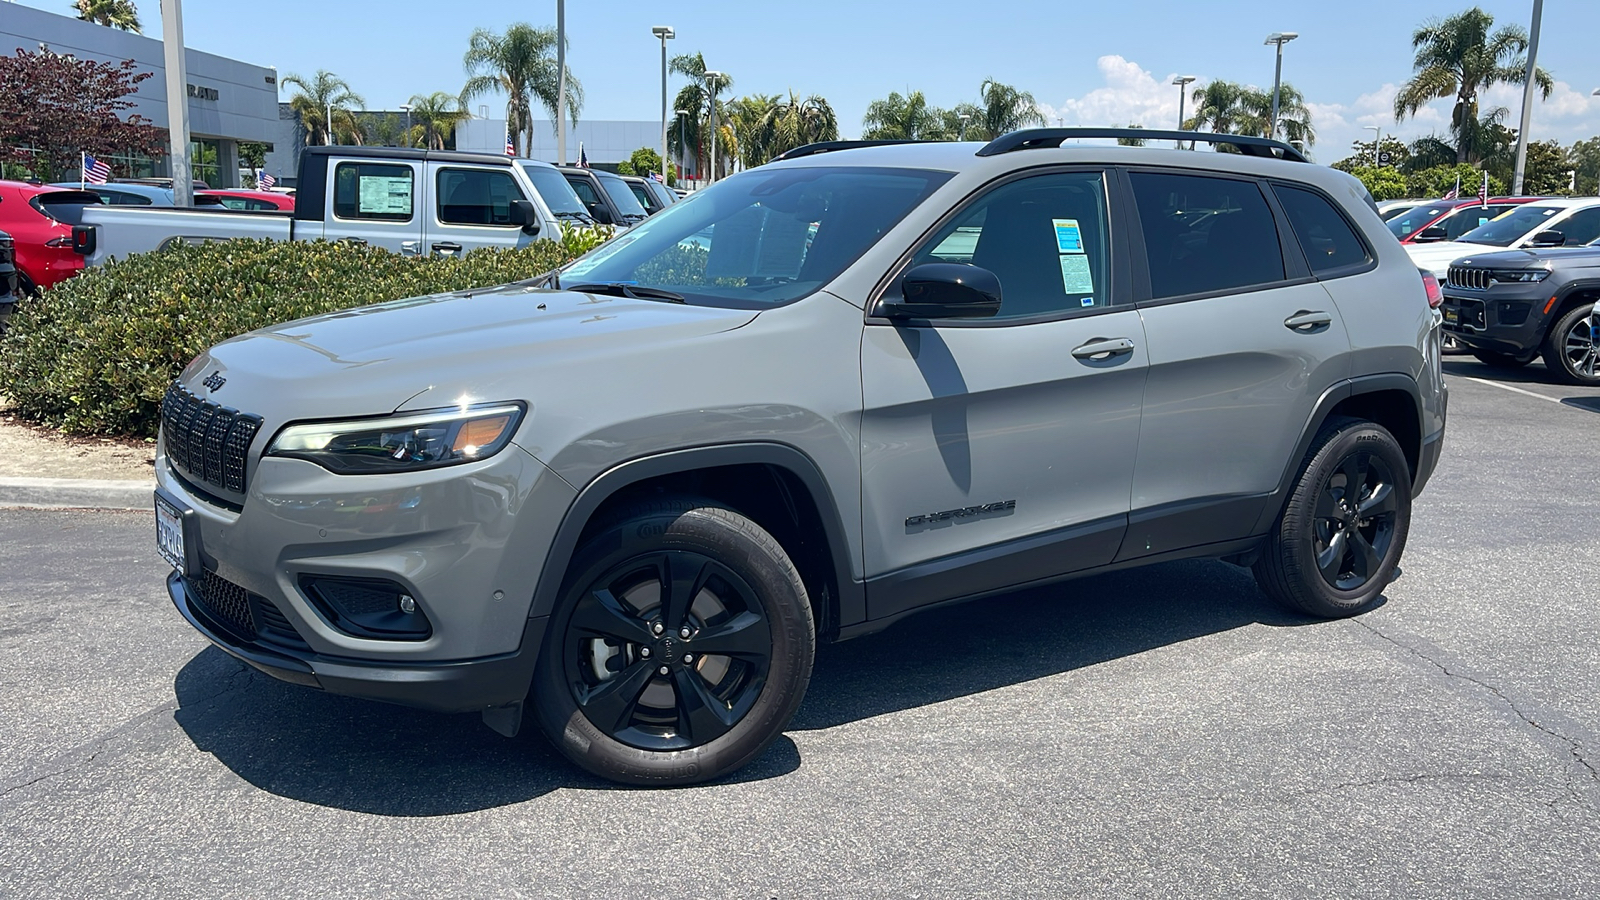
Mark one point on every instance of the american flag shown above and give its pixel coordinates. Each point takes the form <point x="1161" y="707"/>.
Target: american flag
<point x="1483" y="193"/>
<point x="265" y="181"/>
<point x="95" y="171"/>
<point x="656" y="176"/>
<point x="583" y="158"/>
<point x="511" y="149"/>
<point x="1454" y="192"/>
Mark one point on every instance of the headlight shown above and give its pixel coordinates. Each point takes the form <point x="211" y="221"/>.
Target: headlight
<point x="403" y="443"/>
<point x="1518" y="276"/>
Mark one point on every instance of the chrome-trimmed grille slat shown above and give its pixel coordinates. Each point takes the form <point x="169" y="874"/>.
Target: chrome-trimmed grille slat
<point x="1468" y="279"/>
<point x="207" y="442"/>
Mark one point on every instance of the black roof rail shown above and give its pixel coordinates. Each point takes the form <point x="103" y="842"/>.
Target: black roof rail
<point x="826" y="146"/>
<point x="463" y="156"/>
<point x="1032" y="138"/>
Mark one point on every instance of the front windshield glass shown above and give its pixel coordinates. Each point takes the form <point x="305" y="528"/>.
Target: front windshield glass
<point x="1406" y="224"/>
<point x="555" y="191"/>
<point x="761" y="238"/>
<point x="1393" y="211"/>
<point x="1512" y="227"/>
<point x="621" y="195"/>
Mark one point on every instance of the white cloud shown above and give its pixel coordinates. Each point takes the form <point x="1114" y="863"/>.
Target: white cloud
<point x="1130" y="96"/>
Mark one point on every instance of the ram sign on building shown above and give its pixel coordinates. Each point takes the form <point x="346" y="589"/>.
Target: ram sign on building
<point x="229" y="101"/>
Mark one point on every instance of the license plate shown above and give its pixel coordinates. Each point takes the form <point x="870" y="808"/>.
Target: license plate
<point x="169" y="533"/>
<point x="1452" y="316"/>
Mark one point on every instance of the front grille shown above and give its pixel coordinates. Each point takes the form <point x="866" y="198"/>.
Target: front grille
<point x="226" y="602"/>
<point x="210" y="443"/>
<point x="1467" y="278"/>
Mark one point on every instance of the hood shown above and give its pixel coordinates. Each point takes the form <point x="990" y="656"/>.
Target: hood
<point x="1565" y="257"/>
<point x="431" y="351"/>
<point x="1436" y="258"/>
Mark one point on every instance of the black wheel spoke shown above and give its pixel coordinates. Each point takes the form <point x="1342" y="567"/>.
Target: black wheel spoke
<point x="610" y="705"/>
<point x="603" y="614"/>
<point x="1382" y="502"/>
<point x="745" y="636"/>
<point x="701" y="717"/>
<point x="682" y="577"/>
<point x="1327" y="505"/>
<point x="1355" y="472"/>
<point x="1331" y="561"/>
<point x="1366" y="557"/>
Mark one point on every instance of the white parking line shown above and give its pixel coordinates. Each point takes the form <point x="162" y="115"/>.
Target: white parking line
<point x="1507" y="387"/>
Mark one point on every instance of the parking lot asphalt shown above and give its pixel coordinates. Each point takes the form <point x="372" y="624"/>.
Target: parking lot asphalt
<point x="1162" y="732"/>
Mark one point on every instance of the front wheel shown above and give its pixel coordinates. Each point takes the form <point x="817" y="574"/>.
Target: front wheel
<point x="1572" y="348"/>
<point x="1501" y="360"/>
<point x="1340" y="535"/>
<point x="682" y="645"/>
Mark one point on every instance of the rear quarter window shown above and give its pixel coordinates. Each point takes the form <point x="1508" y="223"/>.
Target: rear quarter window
<point x="1328" y="240"/>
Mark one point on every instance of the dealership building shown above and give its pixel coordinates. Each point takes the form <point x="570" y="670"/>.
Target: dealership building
<point x="229" y="101"/>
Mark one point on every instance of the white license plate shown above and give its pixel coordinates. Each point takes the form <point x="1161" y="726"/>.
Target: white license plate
<point x="169" y="533"/>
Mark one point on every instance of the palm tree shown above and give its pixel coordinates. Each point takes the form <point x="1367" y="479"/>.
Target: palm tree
<point x="112" y="13"/>
<point x="1458" y="56"/>
<point x="747" y="116"/>
<point x="797" y="122"/>
<point x="437" y="115"/>
<point x="907" y="118"/>
<point x="314" y="98"/>
<point x="1132" y="141"/>
<point x="1254" y="114"/>
<point x="1217" y="108"/>
<point x="1005" y="109"/>
<point x="522" y="65"/>
<point x="698" y="98"/>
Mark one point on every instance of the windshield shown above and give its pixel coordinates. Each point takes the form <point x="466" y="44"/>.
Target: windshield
<point x="1405" y="224"/>
<point x="760" y="238"/>
<point x="621" y="195"/>
<point x="1513" y="226"/>
<point x="1391" y="212"/>
<point x="555" y="191"/>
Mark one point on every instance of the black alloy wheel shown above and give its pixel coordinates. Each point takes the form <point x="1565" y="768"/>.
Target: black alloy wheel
<point x="667" y="651"/>
<point x="1355" y="518"/>
<point x="1572" y="349"/>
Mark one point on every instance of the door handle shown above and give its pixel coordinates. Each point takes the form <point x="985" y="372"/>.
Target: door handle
<point x="446" y="247"/>
<point x="410" y="248"/>
<point x="1099" y="349"/>
<point x="1307" y="322"/>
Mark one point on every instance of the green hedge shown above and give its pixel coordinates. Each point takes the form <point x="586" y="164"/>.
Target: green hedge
<point x="95" y="354"/>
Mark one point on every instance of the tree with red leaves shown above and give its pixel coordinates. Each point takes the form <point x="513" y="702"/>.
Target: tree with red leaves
<point x="54" y="106"/>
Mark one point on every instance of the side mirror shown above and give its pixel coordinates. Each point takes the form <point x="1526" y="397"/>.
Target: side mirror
<point x="600" y="214"/>
<point x="1429" y="235"/>
<point x="523" y="214"/>
<point x="945" y="291"/>
<point x="1548" y="239"/>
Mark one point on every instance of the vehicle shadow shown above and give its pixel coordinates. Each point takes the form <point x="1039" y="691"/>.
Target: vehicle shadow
<point x="1532" y="373"/>
<point x="394" y="761"/>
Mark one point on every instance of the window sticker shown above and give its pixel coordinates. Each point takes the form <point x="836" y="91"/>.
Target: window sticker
<point x="383" y="194"/>
<point x="1068" y="238"/>
<point x="1076" y="278"/>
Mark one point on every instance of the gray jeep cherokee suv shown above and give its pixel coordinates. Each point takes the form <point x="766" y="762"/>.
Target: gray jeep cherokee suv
<point x="826" y="393"/>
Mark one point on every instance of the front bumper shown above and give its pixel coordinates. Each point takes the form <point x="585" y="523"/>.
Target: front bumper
<point x="1504" y="321"/>
<point x="469" y="685"/>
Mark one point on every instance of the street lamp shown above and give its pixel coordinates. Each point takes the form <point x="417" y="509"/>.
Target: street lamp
<point x="1183" y="82"/>
<point x="711" y="91"/>
<point x="1279" y="38"/>
<point x="561" y="83"/>
<point x="1377" y="141"/>
<point x="330" y="123"/>
<point x="666" y="34"/>
<point x="683" y="141"/>
<point x="965" y="116"/>
<point x="407" y="108"/>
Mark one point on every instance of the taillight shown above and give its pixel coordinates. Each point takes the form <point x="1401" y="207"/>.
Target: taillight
<point x="83" y="239"/>
<point x="1430" y="283"/>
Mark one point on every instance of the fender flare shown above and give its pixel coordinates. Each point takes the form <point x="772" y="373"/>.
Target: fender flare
<point x="850" y="606"/>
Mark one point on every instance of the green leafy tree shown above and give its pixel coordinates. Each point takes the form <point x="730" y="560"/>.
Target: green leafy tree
<point x="522" y="65"/>
<point x="907" y="118"/>
<point x="1458" y="56"/>
<point x="1438" y="181"/>
<point x="436" y="115"/>
<point x="253" y="154"/>
<point x="796" y="122"/>
<point x="1427" y="153"/>
<point x="1584" y="156"/>
<point x="1218" y="108"/>
<point x="314" y="97"/>
<point x="747" y="115"/>
<point x="1132" y="141"/>
<point x="691" y="136"/>
<point x="1548" y="171"/>
<point x="1361" y="155"/>
<point x="119" y="14"/>
<point x="644" y="160"/>
<point x="1225" y="107"/>
<point x="1004" y="109"/>
<point x="1384" y="183"/>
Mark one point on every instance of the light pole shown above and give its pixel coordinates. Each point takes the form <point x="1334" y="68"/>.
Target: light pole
<point x="1527" y="99"/>
<point x="683" y="142"/>
<point x="330" y="123"/>
<point x="711" y="91"/>
<point x="407" y="108"/>
<point x="177" y="101"/>
<point x="1183" y="82"/>
<point x="965" y="116"/>
<point x="561" y="82"/>
<point x="1377" y="141"/>
<point x="666" y="34"/>
<point x="1280" y="38"/>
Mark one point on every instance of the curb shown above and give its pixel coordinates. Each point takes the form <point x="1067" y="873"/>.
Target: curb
<point x="76" y="493"/>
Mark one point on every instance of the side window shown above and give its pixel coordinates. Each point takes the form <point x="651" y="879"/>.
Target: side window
<point x="1327" y="239"/>
<point x="1206" y="234"/>
<point x="584" y="188"/>
<point x="1580" y="228"/>
<point x="1464" y="220"/>
<point x="476" y="196"/>
<point x="372" y="191"/>
<point x="1044" y="237"/>
<point x="123" y="198"/>
<point x="643" y="195"/>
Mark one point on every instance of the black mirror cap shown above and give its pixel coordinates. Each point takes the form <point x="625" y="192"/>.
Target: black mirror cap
<point x="946" y="291"/>
<point x="523" y="214"/>
<point x="601" y="214"/>
<point x="1548" y="239"/>
<point x="1436" y="233"/>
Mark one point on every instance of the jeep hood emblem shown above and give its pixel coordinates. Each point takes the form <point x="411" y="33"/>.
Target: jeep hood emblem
<point x="214" y="381"/>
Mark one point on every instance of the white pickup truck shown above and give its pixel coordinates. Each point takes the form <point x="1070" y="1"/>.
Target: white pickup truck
<point x="413" y="202"/>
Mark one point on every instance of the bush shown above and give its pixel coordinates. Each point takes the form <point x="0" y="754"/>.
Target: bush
<point x="1383" y="183"/>
<point x="95" y="354"/>
<point x="1435" y="182"/>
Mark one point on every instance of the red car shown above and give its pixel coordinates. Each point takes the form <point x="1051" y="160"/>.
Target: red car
<point x="1446" y="220"/>
<point x="239" y="198"/>
<point x="39" y="218"/>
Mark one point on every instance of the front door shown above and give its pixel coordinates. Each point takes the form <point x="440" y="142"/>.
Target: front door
<point x="1000" y="451"/>
<point x="472" y="208"/>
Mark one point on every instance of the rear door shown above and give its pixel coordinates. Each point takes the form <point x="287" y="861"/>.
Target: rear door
<point x="376" y="202"/>
<point x="472" y="208"/>
<point x="1243" y="341"/>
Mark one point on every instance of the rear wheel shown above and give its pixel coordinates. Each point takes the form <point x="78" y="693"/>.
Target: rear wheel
<point x="1572" y="348"/>
<point x="1502" y="360"/>
<point x="1340" y="536"/>
<point x="682" y="646"/>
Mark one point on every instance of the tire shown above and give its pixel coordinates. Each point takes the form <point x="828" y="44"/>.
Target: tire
<point x="1502" y="360"/>
<point x="1299" y="566"/>
<point x="598" y="690"/>
<point x="1572" y="348"/>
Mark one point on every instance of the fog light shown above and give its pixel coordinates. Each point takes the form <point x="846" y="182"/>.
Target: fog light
<point x="407" y="605"/>
<point x="367" y="607"/>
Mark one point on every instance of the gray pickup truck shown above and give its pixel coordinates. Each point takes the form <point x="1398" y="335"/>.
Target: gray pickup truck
<point x="1511" y="306"/>
<point x="413" y="202"/>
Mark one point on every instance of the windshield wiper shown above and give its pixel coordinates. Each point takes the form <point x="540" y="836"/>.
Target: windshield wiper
<point x="625" y="289"/>
<point x="572" y="215"/>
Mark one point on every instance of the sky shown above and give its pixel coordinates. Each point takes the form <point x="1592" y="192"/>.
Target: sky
<point x="1085" y="63"/>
